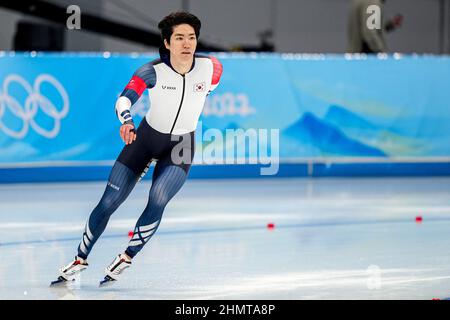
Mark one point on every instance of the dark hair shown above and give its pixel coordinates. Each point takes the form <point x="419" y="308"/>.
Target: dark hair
<point x="175" y="18"/>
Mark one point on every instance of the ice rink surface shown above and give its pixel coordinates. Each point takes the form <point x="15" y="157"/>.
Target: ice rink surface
<point x="333" y="239"/>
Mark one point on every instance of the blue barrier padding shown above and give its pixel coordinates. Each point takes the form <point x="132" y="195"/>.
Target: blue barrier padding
<point x="101" y="173"/>
<point x="382" y="169"/>
<point x="291" y="107"/>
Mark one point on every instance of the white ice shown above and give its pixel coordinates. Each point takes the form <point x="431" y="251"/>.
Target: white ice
<point x="333" y="239"/>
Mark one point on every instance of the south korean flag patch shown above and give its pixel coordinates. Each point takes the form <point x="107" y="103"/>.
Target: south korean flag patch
<point x="200" y="87"/>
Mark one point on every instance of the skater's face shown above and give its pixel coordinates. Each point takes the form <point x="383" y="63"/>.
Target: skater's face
<point x="183" y="42"/>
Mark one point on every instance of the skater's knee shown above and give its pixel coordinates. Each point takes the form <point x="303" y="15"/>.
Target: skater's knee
<point x="110" y="202"/>
<point x="160" y="202"/>
<point x="106" y="204"/>
<point x="159" y="196"/>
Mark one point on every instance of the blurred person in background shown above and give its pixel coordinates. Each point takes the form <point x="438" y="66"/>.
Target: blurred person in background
<point x="362" y="36"/>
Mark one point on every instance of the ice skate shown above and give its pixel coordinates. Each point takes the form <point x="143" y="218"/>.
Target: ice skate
<point x="114" y="270"/>
<point x="68" y="272"/>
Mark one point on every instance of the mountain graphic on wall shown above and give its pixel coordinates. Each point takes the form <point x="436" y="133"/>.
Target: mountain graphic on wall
<point x="327" y="138"/>
<point x="342" y="117"/>
<point x="387" y="138"/>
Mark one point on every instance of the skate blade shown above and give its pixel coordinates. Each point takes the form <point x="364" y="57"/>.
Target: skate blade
<point x="106" y="282"/>
<point x="60" y="282"/>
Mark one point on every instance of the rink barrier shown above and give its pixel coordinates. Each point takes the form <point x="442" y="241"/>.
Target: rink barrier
<point x="286" y="170"/>
<point x="330" y="119"/>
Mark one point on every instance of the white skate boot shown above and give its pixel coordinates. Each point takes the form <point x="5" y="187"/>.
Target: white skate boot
<point x="114" y="270"/>
<point x="68" y="272"/>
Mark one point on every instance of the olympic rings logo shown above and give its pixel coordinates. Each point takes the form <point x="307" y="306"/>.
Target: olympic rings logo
<point x="33" y="103"/>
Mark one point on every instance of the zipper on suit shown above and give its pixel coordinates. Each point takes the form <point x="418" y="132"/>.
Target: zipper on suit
<point x="179" y="108"/>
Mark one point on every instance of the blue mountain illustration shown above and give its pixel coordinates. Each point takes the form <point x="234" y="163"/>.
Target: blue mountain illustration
<point x="342" y="117"/>
<point x="311" y="130"/>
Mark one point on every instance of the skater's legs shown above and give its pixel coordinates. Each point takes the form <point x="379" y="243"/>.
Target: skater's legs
<point x="167" y="181"/>
<point x="120" y="183"/>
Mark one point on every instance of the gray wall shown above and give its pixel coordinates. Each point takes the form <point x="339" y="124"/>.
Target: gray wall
<point x="299" y="25"/>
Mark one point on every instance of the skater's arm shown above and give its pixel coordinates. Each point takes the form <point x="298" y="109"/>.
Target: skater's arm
<point x="217" y="73"/>
<point x="143" y="78"/>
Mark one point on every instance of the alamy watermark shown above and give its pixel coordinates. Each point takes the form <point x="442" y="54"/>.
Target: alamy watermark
<point x="74" y="20"/>
<point x="231" y="146"/>
<point x="374" y="20"/>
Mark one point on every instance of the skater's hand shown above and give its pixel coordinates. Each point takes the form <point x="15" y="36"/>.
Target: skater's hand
<point x="127" y="133"/>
